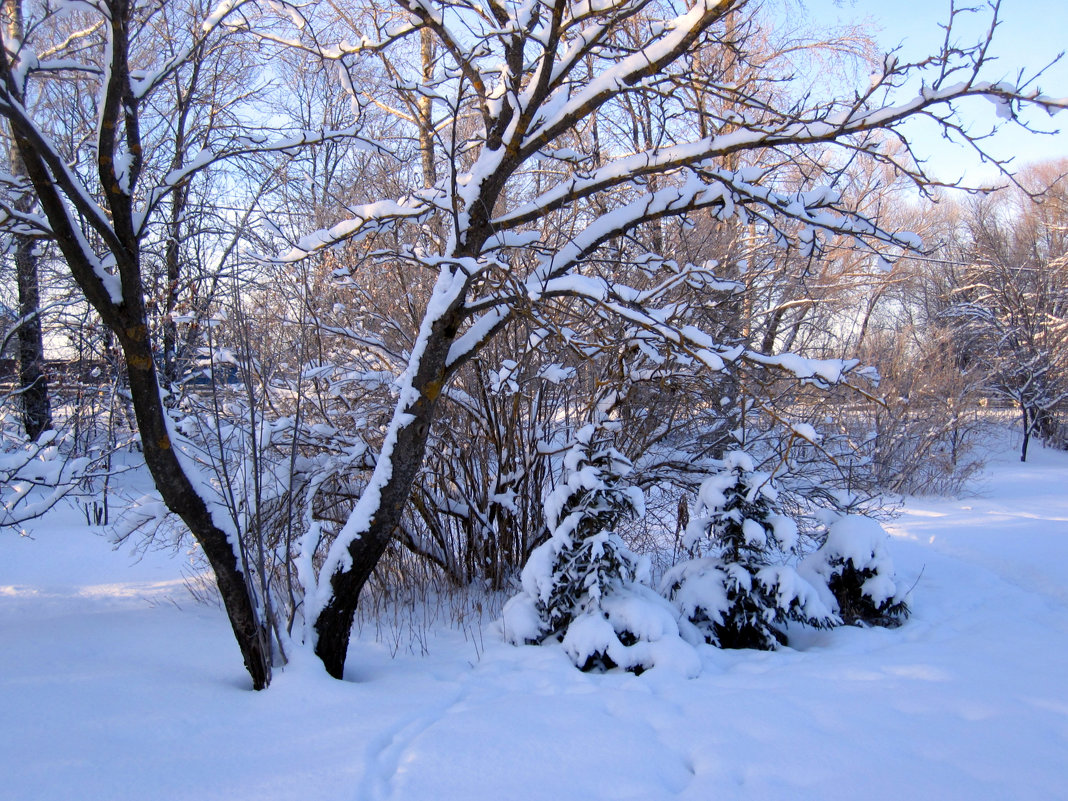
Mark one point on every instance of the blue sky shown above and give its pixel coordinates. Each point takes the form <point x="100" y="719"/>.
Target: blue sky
<point x="1031" y="34"/>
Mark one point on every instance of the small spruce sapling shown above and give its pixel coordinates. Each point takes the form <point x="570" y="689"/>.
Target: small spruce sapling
<point x="854" y="565"/>
<point x="736" y="594"/>
<point x="584" y="587"/>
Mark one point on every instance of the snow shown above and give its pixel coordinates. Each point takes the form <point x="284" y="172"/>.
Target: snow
<point x="217" y="15"/>
<point x="754" y="533"/>
<point x="648" y="617"/>
<point x="116" y="685"/>
<point x="790" y="588"/>
<point x="806" y="432"/>
<point x="785" y="530"/>
<point x="826" y="370"/>
<point x="556" y="373"/>
<point x="365" y="219"/>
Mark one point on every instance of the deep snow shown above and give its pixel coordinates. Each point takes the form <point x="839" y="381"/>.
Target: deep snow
<point x="114" y="684"/>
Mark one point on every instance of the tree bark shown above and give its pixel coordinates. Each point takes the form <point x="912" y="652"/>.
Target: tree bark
<point x="33" y="385"/>
<point x="1026" y="431"/>
<point x="183" y="498"/>
<point x="122" y="309"/>
<point x="333" y="624"/>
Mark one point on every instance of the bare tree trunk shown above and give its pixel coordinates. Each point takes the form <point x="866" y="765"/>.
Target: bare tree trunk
<point x="184" y="498"/>
<point x="119" y="299"/>
<point x="1026" y="432"/>
<point x="333" y="624"/>
<point x="33" y="385"/>
<point x="425" y="110"/>
<point x="172" y="278"/>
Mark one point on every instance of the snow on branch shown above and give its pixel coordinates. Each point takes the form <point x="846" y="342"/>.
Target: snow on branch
<point x="365" y="220"/>
<point x="679" y="35"/>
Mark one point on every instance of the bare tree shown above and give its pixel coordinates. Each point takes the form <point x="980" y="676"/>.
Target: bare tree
<point x="512" y="88"/>
<point x="99" y="213"/>
<point x="1009" y="295"/>
<point x="524" y="209"/>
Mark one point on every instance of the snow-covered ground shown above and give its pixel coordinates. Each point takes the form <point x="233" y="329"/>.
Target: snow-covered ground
<point x="114" y="684"/>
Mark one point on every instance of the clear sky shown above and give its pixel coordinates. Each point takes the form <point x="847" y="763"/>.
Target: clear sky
<point x="1031" y="34"/>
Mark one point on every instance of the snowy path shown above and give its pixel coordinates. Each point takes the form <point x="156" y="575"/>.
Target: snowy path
<point x="114" y="685"/>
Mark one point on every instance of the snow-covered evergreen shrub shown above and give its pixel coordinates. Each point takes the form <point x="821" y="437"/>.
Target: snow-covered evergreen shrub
<point x="854" y="565"/>
<point x="736" y="594"/>
<point x="584" y="587"/>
